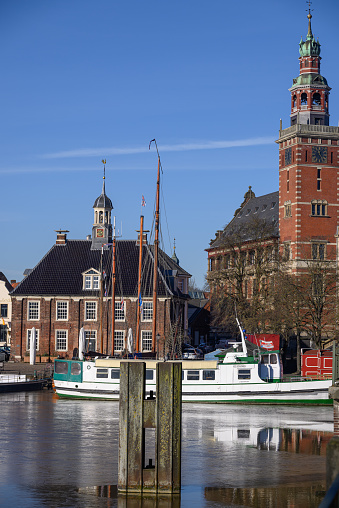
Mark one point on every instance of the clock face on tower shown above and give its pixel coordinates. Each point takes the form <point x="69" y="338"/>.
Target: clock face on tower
<point x="319" y="154"/>
<point x="100" y="233"/>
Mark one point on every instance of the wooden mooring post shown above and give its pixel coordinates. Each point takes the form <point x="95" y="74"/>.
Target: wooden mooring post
<point x="137" y="415"/>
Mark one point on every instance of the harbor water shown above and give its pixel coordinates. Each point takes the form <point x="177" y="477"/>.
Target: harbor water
<point x="64" y="453"/>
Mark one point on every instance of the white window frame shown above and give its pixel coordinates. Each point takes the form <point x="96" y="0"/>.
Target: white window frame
<point x="91" y="280"/>
<point x="58" y="336"/>
<point x="29" y="310"/>
<point x="28" y="338"/>
<point x="119" y="313"/>
<point x="62" y="311"/>
<point x="88" y="310"/>
<point x="146" y="338"/>
<point x="147" y="311"/>
<point x="119" y="340"/>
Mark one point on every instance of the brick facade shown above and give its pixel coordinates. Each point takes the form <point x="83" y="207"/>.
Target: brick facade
<point x="47" y="325"/>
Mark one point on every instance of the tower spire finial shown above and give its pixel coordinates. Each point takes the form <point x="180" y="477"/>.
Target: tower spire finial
<point x="104" y="177"/>
<point x="309" y="15"/>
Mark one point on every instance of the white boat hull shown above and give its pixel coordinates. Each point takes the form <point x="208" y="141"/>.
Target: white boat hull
<point x="203" y="391"/>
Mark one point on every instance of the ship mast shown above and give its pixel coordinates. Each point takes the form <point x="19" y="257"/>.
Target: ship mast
<point x="137" y="338"/>
<point x="113" y="284"/>
<point x="156" y="249"/>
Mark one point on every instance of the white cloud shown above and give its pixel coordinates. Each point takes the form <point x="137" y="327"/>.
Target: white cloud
<point x="181" y="147"/>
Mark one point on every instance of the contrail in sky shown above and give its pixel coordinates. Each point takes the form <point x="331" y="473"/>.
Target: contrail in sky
<point x="181" y="147"/>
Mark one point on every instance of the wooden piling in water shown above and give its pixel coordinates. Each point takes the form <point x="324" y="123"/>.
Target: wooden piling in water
<point x="138" y="413"/>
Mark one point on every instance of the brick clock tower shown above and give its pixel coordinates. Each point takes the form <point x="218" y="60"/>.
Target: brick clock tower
<point x="308" y="165"/>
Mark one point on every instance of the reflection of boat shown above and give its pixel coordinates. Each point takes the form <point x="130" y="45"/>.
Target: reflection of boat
<point x="20" y="383"/>
<point x="239" y="378"/>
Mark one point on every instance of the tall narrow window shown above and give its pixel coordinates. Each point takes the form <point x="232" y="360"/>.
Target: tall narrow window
<point x="305" y="155"/>
<point x="33" y="311"/>
<point x="90" y="311"/>
<point x="62" y="311"/>
<point x="147" y="311"/>
<point x="288" y="209"/>
<point x="119" y="313"/>
<point x="331" y="157"/>
<point x="318" y="179"/>
<point x="146" y="340"/>
<point x="61" y="340"/>
<point x="119" y="336"/>
<point x="288" y="181"/>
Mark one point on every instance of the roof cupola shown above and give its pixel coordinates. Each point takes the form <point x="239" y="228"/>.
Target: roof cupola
<point x="102" y="226"/>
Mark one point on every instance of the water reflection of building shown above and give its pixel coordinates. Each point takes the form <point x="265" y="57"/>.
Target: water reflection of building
<point x="309" y="442"/>
<point x="306" y="496"/>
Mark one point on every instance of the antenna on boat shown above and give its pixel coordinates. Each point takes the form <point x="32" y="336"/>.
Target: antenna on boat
<point x="243" y="341"/>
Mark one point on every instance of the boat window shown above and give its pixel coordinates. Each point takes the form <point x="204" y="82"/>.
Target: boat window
<point x="265" y="359"/>
<point x="102" y="373"/>
<point x="192" y="375"/>
<point x="243" y="433"/>
<point x="273" y="359"/>
<point x="244" y="374"/>
<point x="208" y="375"/>
<point x="149" y="374"/>
<point x="115" y="374"/>
<point x="61" y="367"/>
<point x="182" y="375"/>
<point x="75" y="369"/>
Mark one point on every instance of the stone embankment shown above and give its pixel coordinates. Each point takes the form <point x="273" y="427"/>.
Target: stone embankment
<point x="39" y="369"/>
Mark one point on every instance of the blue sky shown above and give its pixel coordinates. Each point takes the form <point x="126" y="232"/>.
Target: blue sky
<point x="84" y="80"/>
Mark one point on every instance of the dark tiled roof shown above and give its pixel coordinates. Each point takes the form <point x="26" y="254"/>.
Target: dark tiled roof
<point x="8" y="286"/>
<point x="60" y="270"/>
<point x="264" y="208"/>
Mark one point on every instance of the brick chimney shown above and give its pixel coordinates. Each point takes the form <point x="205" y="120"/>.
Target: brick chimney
<point x="61" y="236"/>
<point x="144" y="237"/>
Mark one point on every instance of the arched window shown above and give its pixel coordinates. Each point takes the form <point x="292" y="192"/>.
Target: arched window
<point x="294" y="101"/>
<point x="303" y="98"/>
<point x="316" y="99"/>
<point x="101" y="217"/>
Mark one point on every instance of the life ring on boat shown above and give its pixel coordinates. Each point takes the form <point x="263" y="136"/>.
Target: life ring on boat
<point x="88" y="367"/>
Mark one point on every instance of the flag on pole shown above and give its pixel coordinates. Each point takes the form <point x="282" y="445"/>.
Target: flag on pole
<point x="3" y="321"/>
<point x="143" y="201"/>
<point x="122" y="304"/>
<point x="140" y="301"/>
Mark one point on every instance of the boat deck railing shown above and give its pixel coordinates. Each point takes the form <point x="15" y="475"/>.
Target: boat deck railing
<point x="12" y="378"/>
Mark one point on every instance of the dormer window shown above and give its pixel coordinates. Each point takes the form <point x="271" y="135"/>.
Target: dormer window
<point x="91" y="280"/>
<point x="273" y="204"/>
<point x="248" y="211"/>
<point x="263" y="208"/>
